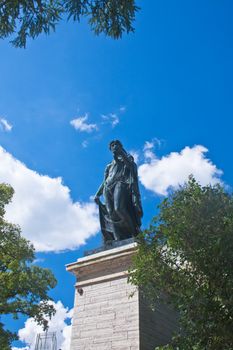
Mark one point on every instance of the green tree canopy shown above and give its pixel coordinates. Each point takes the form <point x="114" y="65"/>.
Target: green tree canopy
<point x="187" y="254"/>
<point x="29" y="18"/>
<point x="24" y="287"/>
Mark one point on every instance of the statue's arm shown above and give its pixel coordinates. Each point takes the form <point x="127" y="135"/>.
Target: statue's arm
<point x="99" y="193"/>
<point x="128" y="160"/>
<point x="101" y="188"/>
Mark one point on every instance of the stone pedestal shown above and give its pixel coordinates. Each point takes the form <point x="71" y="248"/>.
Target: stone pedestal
<point x="109" y="313"/>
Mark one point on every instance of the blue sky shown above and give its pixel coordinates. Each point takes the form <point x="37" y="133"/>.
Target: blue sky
<point x="168" y="87"/>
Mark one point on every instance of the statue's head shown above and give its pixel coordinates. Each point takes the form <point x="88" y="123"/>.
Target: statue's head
<point x="114" y="143"/>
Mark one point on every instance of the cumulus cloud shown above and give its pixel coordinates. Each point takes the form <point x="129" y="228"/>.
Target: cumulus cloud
<point x="172" y="170"/>
<point x="81" y="124"/>
<point x="57" y="324"/>
<point x="44" y="209"/>
<point x="148" y="150"/>
<point x="5" y="125"/>
<point x="111" y="118"/>
<point x="135" y="155"/>
<point x="150" y="145"/>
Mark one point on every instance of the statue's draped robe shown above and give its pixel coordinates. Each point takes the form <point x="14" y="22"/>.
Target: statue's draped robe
<point x="121" y="189"/>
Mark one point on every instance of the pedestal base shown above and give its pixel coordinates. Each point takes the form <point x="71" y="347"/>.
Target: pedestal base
<point x="109" y="312"/>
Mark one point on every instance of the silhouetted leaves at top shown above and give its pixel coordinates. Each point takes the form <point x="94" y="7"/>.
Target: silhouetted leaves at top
<point x="28" y="18"/>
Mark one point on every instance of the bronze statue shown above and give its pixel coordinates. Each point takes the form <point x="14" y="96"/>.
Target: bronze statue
<point x="120" y="216"/>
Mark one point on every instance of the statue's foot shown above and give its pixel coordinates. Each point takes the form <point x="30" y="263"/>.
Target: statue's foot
<point x="109" y="243"/>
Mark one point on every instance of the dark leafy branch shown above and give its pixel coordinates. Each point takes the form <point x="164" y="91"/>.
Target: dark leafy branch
<point x="28" y="18"/>
<point x="187" y="253"/>
<point x="24" y="287"/>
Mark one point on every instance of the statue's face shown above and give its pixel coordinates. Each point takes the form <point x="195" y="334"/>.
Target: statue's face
<point x="114" y="146"/>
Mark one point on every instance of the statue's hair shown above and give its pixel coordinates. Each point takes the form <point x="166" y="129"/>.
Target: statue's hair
<point x="115" y="141"/>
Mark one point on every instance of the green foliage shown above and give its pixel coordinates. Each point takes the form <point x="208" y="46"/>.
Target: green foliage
<point x="24" y="287"/>
<point x="29" y="18"/>
<point x="187" y="253"/>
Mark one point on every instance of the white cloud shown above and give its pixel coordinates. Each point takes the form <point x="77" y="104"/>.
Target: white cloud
<point x="148" y="150"/>
<point x="115" y="119"/>
<point x="148" y="145"/>
<point x="57" y="324"/>
<point x="111" y="118"/>
<point x="81" y="125"/>
<point x="122" y="109"/>
<point x="85" y="144"/>
<point x="5" y="125"/>
<point x="39" y="260"/>
<point x="153" y="143"/>
<point x="135" y="155"/>
<point x="158" y="175"/>
<point x="44" y="209"/>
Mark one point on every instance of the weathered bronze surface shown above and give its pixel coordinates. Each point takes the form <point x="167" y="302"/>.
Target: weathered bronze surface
<point x="120" y="215"/>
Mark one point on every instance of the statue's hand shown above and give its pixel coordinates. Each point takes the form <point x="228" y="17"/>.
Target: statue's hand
<point x="97" y="200"/>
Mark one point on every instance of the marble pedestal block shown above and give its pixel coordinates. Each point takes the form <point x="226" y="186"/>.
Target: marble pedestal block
<point x="109" y="313"/>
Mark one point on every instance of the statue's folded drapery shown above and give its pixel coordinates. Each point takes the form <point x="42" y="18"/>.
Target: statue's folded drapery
<point x="120" y="216"/>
